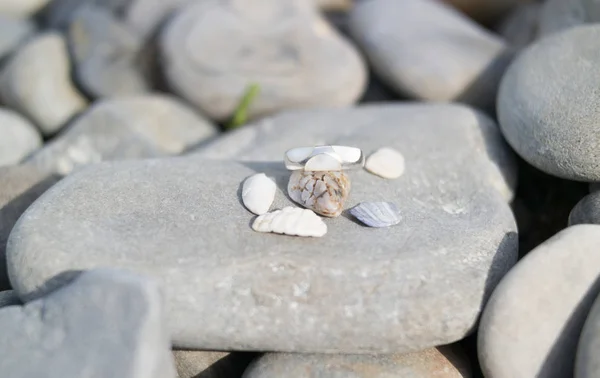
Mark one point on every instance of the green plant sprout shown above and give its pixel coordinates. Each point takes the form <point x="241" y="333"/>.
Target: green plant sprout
<point x="240" y="116"/>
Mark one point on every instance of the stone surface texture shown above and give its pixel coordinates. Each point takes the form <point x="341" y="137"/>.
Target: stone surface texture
<point x="560" y="15"/>
<point x="125" y="127"/>
<point x="213" y="50"/>
<point x="181" y="220"/>
<point x="37" y="82"/>
<point x="443" y="362"/>
<point x="553" y="124"/>
<point x="105" y="323"/>
<point x="531" y="324"/>
<point x="426" y="50"/>
<point x="18" y="137"/>
<point x="20" y="186"/>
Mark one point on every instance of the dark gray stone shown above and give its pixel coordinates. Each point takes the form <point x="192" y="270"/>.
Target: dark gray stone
<point x="426" y="50"/>
<point x="36" y="81"/>
<point x="9" y="298"/>
<point x="531" y="325"/>
<point x="443" y="362"/>
<point x="125" y="127"/>
<point x="213" y="50"/>
<point x="105" y="53"/>
<point x="547" y="104"/>
<point x="18" y="137"/>
<point x="587" y="364"/>
<point x="20" y="186"/>
<point x="182" y="221"/>
<point x="104" y="323"/>
<point x="204" y="364"/>
<point x="587" y="211"/>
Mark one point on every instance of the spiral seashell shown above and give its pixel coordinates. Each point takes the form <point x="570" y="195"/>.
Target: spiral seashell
<point x="324" y="192"/>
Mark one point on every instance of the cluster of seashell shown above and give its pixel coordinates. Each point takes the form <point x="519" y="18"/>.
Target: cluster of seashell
<point x="322" y="187"/>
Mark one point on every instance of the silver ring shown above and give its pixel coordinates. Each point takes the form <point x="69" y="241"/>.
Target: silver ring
<point x="324" y="158"/>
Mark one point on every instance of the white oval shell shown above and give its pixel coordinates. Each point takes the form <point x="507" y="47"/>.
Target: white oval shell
<point x="291" y="221"/>
<point x="386" y="162"/>
<point x="258" y="193"/>
<point x="323" y="162"/>
<point x="377" y="214"/>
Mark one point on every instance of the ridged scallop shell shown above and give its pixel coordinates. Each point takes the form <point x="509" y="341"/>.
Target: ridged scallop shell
<point x="386" y="162"/>
<point x="377" y="214"/>
<point x="322" y="192"/>
<point x="291" y="221"/>
<point x="258" y="193"/>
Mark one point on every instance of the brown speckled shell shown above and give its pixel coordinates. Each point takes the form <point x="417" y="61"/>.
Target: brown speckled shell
<point x="323" y="192"/>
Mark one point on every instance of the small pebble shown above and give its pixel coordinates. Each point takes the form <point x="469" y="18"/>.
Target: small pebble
<point x="386" y="162"/>
<point x="258" y="193"/>
<point x="18" y="137"/>
<point x="377" y="214"/>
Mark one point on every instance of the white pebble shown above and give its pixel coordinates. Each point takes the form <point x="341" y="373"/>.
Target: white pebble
<point x="386" y="162"/>
<point x="258" y="193"/>
<point x="291" y="221"/>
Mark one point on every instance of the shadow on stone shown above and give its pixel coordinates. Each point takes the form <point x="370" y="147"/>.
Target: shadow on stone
<point x="11" y="211"/>
<point x="53" y="284"/>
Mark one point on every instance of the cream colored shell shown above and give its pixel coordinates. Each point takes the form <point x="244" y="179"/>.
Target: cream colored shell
<point x="322" y="192"/>
<point x="291" y="221"/>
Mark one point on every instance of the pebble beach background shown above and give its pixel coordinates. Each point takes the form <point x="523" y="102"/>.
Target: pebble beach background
<point x="128" y="126"/>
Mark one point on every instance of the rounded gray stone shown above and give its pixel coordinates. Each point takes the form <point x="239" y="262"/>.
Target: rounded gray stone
<point x="586" y="211"/>
<point x="20" y="186"/>
<point x="37" y="82"/>
<point x="426" y="50"/>
<point x="141" y="16"/>
<point x="9" y="298"/>
<point x="104" y="323"/>
<point x="213" y="50"/>
<point x="586" y="359"/>
<point x="105" y="53"/>
<point x="13" y="32"/>
<point x="182" y="221"/>
<point x="520" y="28"/>
<point x="204" y="364"/>
<point x="547" y="104"/>
<point x="18" y="137"/>
<point x="446" y="362"/>
<point x="560" y="15"/>
<point x="124" y="127"/>
<point x="532" y="322"/>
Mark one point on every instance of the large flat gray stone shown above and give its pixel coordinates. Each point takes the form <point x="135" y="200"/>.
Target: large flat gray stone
<point x="19" y="187"/>
<point x="532" y="322"/>
<point x="586" y="211"/>
<point x="426" y="50"/>
<point x="357" y="290"/>
<point x="443" y="362"/>
<point x="125" y="127"/>
<point x="547" y="104"/>
<point x="103" y="324"/>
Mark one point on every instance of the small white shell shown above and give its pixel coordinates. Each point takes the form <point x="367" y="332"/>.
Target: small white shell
<point x="377" y="214"/>
<point x="291" y="221"/>
<point x="386" y="162"/>
<point x="258" y="193"/>
<point x="323" y="162"/>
